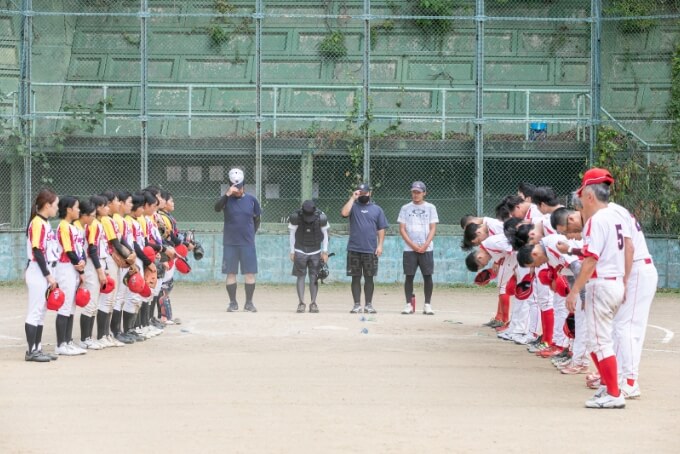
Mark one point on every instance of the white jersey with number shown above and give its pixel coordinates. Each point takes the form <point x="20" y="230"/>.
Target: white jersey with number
<point x="603" y="240"/>
<point x="638" y="238"/>
<point x="497" y="246"/>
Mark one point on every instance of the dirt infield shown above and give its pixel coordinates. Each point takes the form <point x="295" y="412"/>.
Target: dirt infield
<point x="279" y="382"/>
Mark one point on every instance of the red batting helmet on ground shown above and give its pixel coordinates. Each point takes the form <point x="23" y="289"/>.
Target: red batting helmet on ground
<point x="55" y="298"/>
<point x="82" y="297"/>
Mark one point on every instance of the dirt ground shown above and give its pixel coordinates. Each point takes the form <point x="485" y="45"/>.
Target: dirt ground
<point x="280" y="382"/>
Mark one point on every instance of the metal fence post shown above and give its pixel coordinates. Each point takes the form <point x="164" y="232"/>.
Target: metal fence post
<point x="595" y="74"/>
<point x="479" y="108"/>
<point x="258" y="99"/>
<point x="143" y="86"/>
<point x="25" y="107"/>
<point x="365" y="105"/>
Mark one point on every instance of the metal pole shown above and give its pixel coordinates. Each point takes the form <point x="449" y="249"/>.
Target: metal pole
<point x="595" y="75"/>
<point x="191" y="95"/>
<point x="143" y="88"/>
<point x="479" y="110"/>
<point x="443" y="113"/>
<point x="258" y="99"/>
<point x="527" y="94"/>
<point x="25" y="104"/>
<point x="366" y="93"/>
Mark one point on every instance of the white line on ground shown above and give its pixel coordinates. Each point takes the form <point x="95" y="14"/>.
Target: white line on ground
<point x="669" y="334"/>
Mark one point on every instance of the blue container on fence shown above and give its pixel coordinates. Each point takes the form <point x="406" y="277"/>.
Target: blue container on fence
<point x="538" y="127"/>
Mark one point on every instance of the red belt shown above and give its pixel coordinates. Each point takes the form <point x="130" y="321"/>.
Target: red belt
<point x="648" y="261"/>
<point x="610" y="278"/>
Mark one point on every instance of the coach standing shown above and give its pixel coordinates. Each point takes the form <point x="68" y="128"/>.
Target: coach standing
<point x="241" y="221"/>
<point x="367" y="224"/>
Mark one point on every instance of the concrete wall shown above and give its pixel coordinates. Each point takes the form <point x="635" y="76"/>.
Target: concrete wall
<point x="274" y="266"/>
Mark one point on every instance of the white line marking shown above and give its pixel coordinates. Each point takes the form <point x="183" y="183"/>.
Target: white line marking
<point x="669" y="334"/>
<point x="659" y="351"/>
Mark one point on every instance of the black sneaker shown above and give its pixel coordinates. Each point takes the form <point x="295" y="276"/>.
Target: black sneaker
<point x="368" y="309"/>
<point x="135" y="336"/>
<point x="124" y="338"/>
<point x="157" y="323"/>
<point x="233" y="307"/>
<point x="51" y="356"/>
<point x="37" y="356"/>
<point x="356" y="309"/>
<point x="313" y="308"/>
<point x="249" y="307"/>
<point x="301" y="308"/>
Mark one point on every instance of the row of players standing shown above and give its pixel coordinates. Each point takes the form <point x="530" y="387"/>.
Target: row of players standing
<point x="584" y="273"/>
<point x="308" y="252"/>
<point x="113" y="255"/>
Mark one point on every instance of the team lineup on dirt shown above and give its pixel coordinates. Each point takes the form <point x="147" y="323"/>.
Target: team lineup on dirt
<point x="575" y="285"/>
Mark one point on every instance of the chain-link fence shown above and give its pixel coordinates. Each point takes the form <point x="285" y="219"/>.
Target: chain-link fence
<point x="309" y="98"/>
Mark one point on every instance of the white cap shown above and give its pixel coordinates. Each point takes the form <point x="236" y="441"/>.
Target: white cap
<point x="236" y="176"/>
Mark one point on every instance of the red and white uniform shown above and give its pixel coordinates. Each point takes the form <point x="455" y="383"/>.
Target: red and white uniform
<point x="125" y="230"/>
<point x="133" y="301"/>
<point x="111" y="232"/>
<point x="93" y="236"/>
<point x="494" y="225"/>
<point x="603" y="239"/>
<point x="630" y="322"/>
<point x="533" y="213"/>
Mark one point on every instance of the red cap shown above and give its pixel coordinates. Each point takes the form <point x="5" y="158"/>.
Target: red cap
<point x="525" y="287"/>
<point x="546" y="276"/>
<point x="485" y="276"/>
<point x="595" y="176"/>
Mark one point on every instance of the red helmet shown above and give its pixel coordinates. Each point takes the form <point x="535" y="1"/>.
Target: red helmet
<point x="182" y="251"/>
<point x="55" y="298"/>
<point x="136" y="283"/>
<point x="146" y="291"/>
<point x="109" y="285"/>
<point x="82" y="297"/>
<point x="511" y="285"/>
<point x="182" y="265"/>
<point x="546" y="276"/>
<point x="569" y="326"/>
<point x="525" y="287"/>
<point x="150" y="253"/>
<point x="485" y="276"/>
<point x="561" y="286"/>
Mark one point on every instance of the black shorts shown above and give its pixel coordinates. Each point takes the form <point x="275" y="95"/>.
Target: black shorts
<point x="362" y="264"/>
<point x="413" y="260"/>
<point x="303" y="264"/>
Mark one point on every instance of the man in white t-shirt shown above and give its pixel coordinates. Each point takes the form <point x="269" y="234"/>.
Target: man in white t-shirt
<point x="417" y="225"/>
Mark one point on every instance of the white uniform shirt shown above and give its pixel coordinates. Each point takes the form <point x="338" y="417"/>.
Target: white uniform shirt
<point x="638" y="238"/>
<point x="603" y="239"/>
<point x="533" y="213"/>
<point x="418" y="219"/>
<point x="494" y="225"/>
<point x="555" y="258"/>
<point x="497" y="246"/>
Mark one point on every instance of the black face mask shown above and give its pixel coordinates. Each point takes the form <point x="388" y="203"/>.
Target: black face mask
<point x="364" y="198"/>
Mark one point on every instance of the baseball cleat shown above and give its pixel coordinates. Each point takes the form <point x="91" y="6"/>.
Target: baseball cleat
<point x="408" y="309"/>
<point x="301" y="308"/>
<point x="607" y="401"/>
<point x="313" y="308"/>
<point x="356" y="309"/>
<point x="368" y="309"/>
<point x="630" y="392"/>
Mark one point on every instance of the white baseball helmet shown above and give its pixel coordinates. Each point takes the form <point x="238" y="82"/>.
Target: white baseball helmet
<point x="236" y="176"/>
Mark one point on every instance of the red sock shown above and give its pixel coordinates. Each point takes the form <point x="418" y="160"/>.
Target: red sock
<point x="499" y="308"/>
<point x="630" y="381"/>
<point x="504" y="302"/>
<point x="596" y="361"/>
<point x="608" y="372"/>
<point x="548" y="324"/>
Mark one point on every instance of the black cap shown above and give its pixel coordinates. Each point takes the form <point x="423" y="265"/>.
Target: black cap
<point x="363" y="187"/>
<point x="308" y="211"/>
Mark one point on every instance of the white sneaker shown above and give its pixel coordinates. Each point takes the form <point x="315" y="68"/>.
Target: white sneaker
<point x="91" y="344"/>
<point x="601" y="391"/>
<point x="155" y="331"/>
<point x="113" y="341"/>
<point x="75" y="349"/>
<point x="607" y="401"/>
<point x="104" y="342"/>
<point x="63" y="350"/>
<point x="145" y="332"/>
<point x="427" y="309"/>
<point x="525" y="339"/>
<point x="630" y="392"/>
<point x="408" y="309"/>
<point x="504" y="335"/>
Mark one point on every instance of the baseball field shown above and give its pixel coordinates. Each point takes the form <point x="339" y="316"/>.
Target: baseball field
<point x="333" y="382"/>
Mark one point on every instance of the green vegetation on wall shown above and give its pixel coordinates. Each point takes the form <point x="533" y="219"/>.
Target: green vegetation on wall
<point x="645" y="187"/>
<point x="674" y="103"/>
